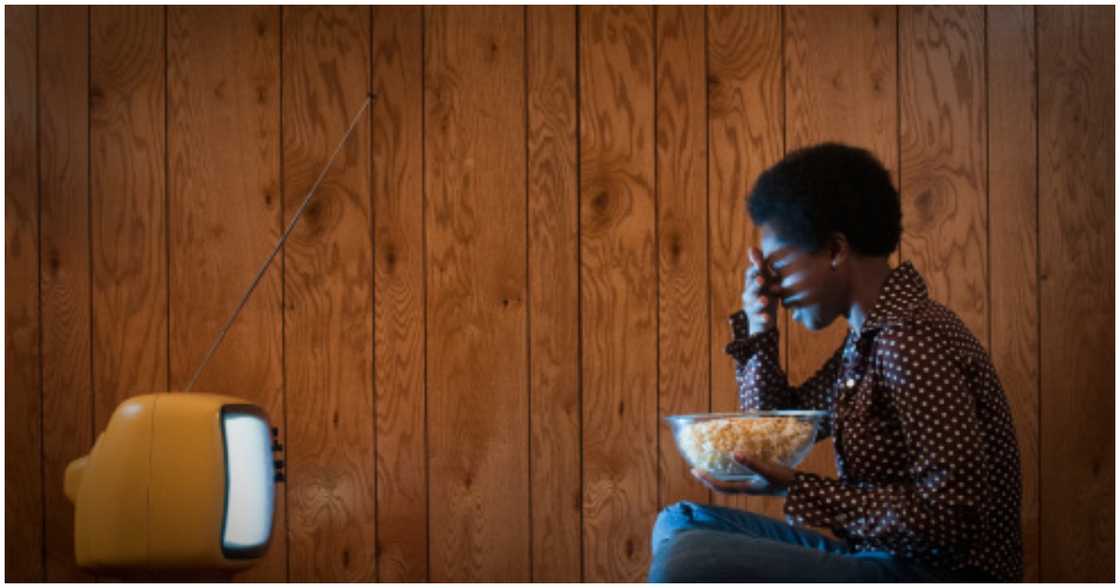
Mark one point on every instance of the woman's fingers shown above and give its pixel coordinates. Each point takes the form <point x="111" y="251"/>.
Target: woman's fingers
<point x="718" y="485"/>
<point x="753" y="293"/>
<point x="760" y="287"/>
<point x="761" y="291"/>
<point x="755" y="299"/>
<point x="753" y="279"/>
<point x="730" y="487"/>
<point x="750" y="287"/>
<point x="754" y="305"/>
<point x="755" y="256"/>
<point x="759" y="268"/>
<point x="756" y="267"/>
<point x="776" y="474"/>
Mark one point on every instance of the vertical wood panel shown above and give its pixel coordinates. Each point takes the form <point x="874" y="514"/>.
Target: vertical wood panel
<point x="744" y="138"/>
<point x="128" y="205"/>
<point x="943" y="136"/>
<point x="618" y="290"/>
<point x="66" y="303"/>
<point x="224" y="165"/>
<point x="397" y="119"/>
<point x="478" y="432"/>
<point x="1077" y="207"/>
<point x="23" y="474"/>
<point x="682" y="235"/>
<point x="1013" y="238"/>
<point x="328" y="289"/>
<point x="841" y="74"/>
<point x="556" y="478"/>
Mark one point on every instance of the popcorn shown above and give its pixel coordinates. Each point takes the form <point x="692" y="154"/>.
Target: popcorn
<point x="711" y="444"/>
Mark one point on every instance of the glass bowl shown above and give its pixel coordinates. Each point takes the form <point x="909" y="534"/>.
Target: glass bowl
<point x="708" y="441"/>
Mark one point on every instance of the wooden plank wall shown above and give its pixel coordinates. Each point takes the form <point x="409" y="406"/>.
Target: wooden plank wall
<point x="477" y="281"/>
<point x="555" y="419"/>
<point x="24" y="525"/>
<point x="1076" y="238"/>
<point x="1013" y="205"/>
<point x="618" y="288"/>
<point x="328" y="296"/>
<point x="399" y="320"/>
<point x="526" y="254"/>
<point x="66" y="274"/>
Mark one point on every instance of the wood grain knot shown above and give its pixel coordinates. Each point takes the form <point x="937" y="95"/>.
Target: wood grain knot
<point x="313" y="212"/>
<point x="675" y="246"/>
<point x="53" y="262"/>
<point x="877" y="82"/>
<point x="926" y="205"/>
<point x="390" y="257"/>
<point x="601" y="202"/>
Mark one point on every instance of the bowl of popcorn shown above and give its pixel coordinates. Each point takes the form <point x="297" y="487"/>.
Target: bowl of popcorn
<point x="709" y="441"/>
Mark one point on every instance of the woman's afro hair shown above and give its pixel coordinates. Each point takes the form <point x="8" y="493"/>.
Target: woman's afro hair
<point x="830" y="187"/>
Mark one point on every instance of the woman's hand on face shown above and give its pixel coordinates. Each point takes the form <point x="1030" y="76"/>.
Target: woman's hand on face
<point x="777" y="478"/>
<point x="760" y="301"/>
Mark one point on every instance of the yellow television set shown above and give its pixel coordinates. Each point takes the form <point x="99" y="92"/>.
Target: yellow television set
<point x="176" y="482"/>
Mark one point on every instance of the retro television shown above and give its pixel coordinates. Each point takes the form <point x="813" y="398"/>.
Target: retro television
<point x="176" y="482"/>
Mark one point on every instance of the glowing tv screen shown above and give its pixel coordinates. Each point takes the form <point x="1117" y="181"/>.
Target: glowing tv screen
<point x="247" y="521"/>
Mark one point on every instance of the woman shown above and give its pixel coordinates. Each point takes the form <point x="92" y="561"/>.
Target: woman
<point x="928" y="484"/>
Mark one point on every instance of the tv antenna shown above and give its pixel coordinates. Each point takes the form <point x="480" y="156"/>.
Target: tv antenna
<point x="283" y="237"/>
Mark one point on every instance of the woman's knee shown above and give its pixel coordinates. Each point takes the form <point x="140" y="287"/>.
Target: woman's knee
<point x="688" y="556"/>
<point x="669" y="563"/>
<point x="673" y="519"/>
<point x="679" y="512"/>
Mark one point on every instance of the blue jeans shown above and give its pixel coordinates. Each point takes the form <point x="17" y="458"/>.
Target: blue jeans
<point x="701" y="543"/>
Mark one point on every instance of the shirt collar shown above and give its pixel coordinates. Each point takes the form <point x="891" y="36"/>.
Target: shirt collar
<point x="902" y="293"/>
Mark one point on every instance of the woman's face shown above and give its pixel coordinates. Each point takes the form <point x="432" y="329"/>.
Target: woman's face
<point x="810" y="289"/>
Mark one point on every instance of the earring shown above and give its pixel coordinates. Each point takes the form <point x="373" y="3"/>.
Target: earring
<point x="834" y="266"/>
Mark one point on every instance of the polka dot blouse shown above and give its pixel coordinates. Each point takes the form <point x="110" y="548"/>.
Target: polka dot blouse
<point x="927" y="462"/>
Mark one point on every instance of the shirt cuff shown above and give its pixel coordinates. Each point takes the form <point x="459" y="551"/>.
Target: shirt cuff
<point x="740" y="325"/>
<point x="744" y="345"/>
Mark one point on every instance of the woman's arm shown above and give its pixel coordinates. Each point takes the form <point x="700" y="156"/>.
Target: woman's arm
<point x="938" y="508"/>
<point x="762" y="382"/>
